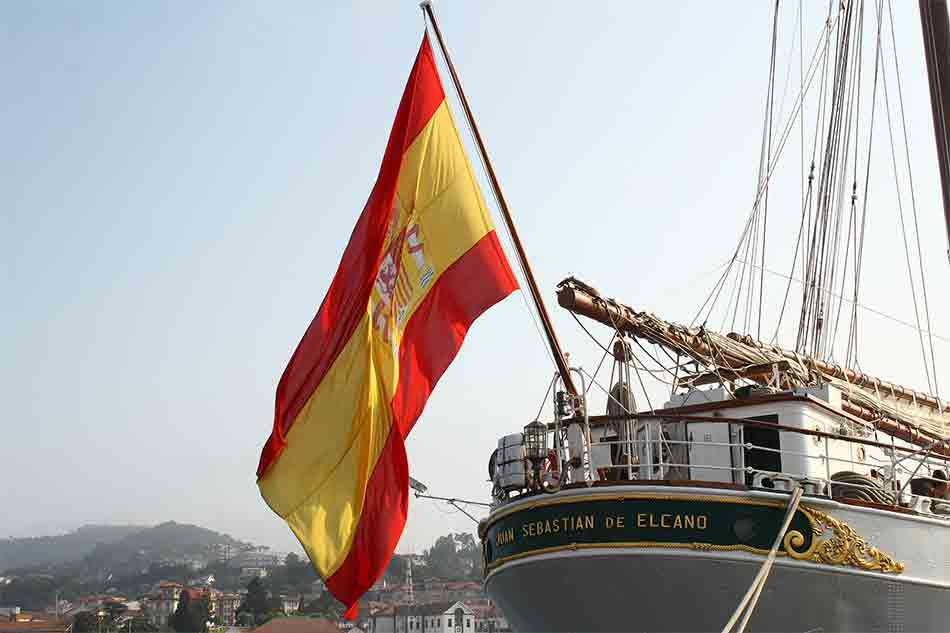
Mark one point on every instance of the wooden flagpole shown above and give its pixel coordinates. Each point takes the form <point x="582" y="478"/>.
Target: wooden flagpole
<point x="553" y="342"/>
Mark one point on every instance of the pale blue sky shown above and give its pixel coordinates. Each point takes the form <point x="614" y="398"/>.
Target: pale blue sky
<point x="179" y="179"/>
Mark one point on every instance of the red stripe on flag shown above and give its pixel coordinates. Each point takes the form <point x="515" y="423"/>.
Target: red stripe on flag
<point x="473" y="283"/>
<point x="352" y="285"/>
<point x="381" y="522"/>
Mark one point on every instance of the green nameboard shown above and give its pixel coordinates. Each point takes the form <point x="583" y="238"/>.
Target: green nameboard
<point x="707" y="522"/>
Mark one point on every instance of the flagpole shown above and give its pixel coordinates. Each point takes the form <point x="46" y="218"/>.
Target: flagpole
<point x="553" y="342"/>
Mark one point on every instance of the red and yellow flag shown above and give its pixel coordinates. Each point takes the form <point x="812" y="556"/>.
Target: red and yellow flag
<point x="422" y="264"/>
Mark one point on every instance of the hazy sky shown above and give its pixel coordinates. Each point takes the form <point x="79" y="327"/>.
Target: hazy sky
<point x="179" y="179"/>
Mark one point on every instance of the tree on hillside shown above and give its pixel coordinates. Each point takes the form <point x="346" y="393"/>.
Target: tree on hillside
<point x="454" y="557"/>
<point x="326" y="606"/>
<point x="30" y="593"/>
<point x="201" y="614"/>
<point x="181" y="620"/>
<point x="300" y="572"/>
<point x="258" y="603"/>
<point x="191" y="616"/>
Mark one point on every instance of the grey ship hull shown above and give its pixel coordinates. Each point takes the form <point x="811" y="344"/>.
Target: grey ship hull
<point x="647" y="591"/>
<point x="899" y="582"/>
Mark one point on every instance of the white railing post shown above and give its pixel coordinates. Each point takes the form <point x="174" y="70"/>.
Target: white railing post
<point x="828" y="466"/>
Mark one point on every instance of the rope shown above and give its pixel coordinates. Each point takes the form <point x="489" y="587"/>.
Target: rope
<point x="900" y="209"/>
<point x="818" y="60"/>
<point x="747" y="604"/>
<point x="535" y="316"/>
<point x="913" y="199"/>
<point x="874" y="311"/>
<point x="851" y="353"/>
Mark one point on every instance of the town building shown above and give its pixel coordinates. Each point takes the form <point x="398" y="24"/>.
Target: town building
<point x="253" y="572"/>
<point x="290" y="603"/>
<point x="160" y="606"/>
<point x="437" y="617"/>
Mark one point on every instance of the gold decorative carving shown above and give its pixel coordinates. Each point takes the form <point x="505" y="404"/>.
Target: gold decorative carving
<point x="842" y="546"/>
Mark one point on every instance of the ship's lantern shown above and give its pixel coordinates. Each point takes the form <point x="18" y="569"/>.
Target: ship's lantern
<point x="535" y="441"/>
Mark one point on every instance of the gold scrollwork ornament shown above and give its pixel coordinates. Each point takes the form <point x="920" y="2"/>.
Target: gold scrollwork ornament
<point x="843" y="547"/>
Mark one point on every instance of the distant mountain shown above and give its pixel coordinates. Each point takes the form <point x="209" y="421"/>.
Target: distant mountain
<point x="173" y="536"/>
<point x="117" y="548"/>
<point x="47" y="550"/>
<point x="165" y="544"/>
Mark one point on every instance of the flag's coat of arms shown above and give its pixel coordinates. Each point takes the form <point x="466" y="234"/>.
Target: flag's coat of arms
<point x="422" y="264"/>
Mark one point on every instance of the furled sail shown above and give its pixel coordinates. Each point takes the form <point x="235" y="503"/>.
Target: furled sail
<point x="733" y="357"/>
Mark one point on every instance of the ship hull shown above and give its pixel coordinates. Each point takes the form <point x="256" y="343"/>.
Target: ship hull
<point x="607" y="580"/>
<point x="652" y="591"/>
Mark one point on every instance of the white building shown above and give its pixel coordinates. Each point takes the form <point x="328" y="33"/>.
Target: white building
<point x="439" y="617"/>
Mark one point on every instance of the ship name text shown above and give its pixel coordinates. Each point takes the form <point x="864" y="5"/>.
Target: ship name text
<point x="584" y="522"/>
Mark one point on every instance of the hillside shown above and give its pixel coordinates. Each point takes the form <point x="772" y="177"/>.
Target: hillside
<point x="113" y="547"/>
<point x="51" y="550"/>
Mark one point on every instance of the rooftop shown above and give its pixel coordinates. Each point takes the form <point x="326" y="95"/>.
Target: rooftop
<point x="297" y="625"/>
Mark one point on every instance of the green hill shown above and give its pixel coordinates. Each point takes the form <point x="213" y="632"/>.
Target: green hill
<point x="113" y="547"/>
<point x="51" y="550"/>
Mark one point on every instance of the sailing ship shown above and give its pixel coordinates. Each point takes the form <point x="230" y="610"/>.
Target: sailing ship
<point x="777" y="488"/>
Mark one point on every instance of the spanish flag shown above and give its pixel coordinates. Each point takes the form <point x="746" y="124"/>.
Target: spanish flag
<point x="422" y="264"/>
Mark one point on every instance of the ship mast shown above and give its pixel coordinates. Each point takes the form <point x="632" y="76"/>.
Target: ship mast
<point x="934" y="22"/>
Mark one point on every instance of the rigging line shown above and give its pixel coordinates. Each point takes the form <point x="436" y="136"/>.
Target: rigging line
<point x="510" y="239"/>
<point x="607" y="393"/>
<point x="913" y="197"/>
<point x="546" y="394"/>
<point x="849" y="232"/>
<point x="822" y="45"/>
<point x="858" y="238"/>
<point x="606" y="351"/>
<point x="853" y="88"/>
<point x="853" y="331"/>
<point x="601" y="363"/>
<point x="829" y="183"/>
<point x="788" y="286"/>
<point x="801" y="83"/>
<point x="635" y="368"/>
<point x="633" y="357"/>
<point x="810" y="262"/>
<point x="768" y="160"/>
<point x="653" y="358"/>
<point x="900" y="209"/>
<point x="750" y="288"/>
<point x="714" y="290"/>
<point x="788" y="65"/>
<point x="741" y="279"/>
<point x="940" y="337"/>
<point x="725" y="273"/>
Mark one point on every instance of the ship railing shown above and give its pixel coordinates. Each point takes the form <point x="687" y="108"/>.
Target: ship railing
<point x="657" y="456"/>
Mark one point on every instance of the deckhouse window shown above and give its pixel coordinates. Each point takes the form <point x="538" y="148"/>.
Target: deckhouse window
<point x="764" y="455"/>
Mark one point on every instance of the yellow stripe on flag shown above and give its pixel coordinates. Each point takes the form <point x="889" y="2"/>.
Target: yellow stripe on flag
<point x="319" y="481"/>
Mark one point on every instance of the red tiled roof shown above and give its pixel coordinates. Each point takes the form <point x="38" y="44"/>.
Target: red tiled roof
<point x="49" y="626"/>
<point x="297" y="625"/>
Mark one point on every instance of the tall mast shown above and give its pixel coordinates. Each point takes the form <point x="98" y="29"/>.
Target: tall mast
<point x="549" y="333"/>
<point x="934" y="21"/>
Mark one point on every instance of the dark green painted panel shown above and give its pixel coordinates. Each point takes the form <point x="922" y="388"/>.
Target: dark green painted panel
<point x="679" y="521"/>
